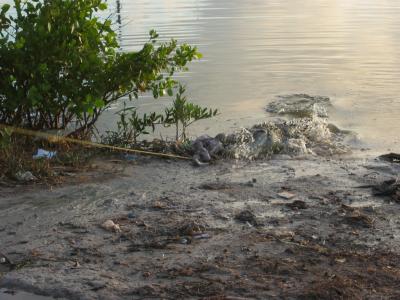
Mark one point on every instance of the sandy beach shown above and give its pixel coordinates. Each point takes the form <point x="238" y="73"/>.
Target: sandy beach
<point x="286" y="228"/>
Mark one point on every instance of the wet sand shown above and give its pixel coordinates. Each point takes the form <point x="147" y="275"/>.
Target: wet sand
<point x="298" y="228"/>
<point x="18" y="295"/>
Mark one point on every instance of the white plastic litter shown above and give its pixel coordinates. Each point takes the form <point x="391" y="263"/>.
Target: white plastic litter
<point x="41" y="153"/>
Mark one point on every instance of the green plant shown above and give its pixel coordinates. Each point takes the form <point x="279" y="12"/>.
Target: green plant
<point x="5" y="139"/>
<point x="131" y="125"/>
<point x="182" y="114"/>
<point x="60" y="67"/>
<point x="15" y="156"/>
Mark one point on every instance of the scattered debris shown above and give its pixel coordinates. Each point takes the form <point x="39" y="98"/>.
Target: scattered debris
<point x="211" y="241"/>
<point x="109" y="225"/>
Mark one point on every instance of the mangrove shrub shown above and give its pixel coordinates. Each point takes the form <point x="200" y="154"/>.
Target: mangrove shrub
<point x="60" y="64"/>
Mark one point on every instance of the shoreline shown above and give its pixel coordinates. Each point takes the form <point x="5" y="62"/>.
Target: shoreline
<point x="286" y="228"/>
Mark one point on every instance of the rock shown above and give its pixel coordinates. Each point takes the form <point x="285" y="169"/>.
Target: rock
<point x="391" y="157"/>
<point x="286" y="195"/>
<point x="388" y="188"/>
<point x="247" y="216"/>
<point x="192" y="228"/>
<point x="184" y="241"/>
<point x="298" y="204"/>
<point x="358" y="219"/>
<point x="109" y="225"/>
<point x="25" y="176"/>
<point x="205" y="147"/>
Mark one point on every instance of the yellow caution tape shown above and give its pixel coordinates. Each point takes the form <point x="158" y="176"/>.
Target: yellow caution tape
<point x="60" y="139"/>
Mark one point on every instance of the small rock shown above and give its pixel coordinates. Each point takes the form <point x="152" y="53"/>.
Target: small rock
<point x="3" y="260"/>
<point x="247" y="216"/>
<point x="286" y="195"/>
<point x="183" y="241"/>
<point x="249" y="184"/>
<point x="25" y="176"/>
<point x="109" y="225"/>
<point x="111" y="203"/>
<point x="358" y="219"/>
<point x="159" y="205"/>
<point x="298" y="204"/>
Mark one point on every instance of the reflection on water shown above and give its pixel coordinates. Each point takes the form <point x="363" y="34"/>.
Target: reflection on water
<point x="253" y="50"/>
<point x="348" y="50"/>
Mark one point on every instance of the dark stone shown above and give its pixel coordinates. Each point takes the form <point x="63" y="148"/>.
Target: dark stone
<point x="247" y="216"/>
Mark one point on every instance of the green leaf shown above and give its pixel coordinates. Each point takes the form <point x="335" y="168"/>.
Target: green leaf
<point x="99" y="103"/>
<point x="103" y="6"/>
<point x="5" y="8"/>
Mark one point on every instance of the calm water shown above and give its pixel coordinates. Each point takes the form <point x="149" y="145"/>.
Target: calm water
<point x="253" y="50"/>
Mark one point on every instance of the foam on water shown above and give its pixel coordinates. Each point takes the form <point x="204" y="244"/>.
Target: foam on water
<point x="300" y="105"/>
<point x="307" y="133"/>
<point x="294" y="137"/>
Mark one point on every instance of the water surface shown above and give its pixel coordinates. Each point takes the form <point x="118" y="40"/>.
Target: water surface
<point x="253" y="50"/>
